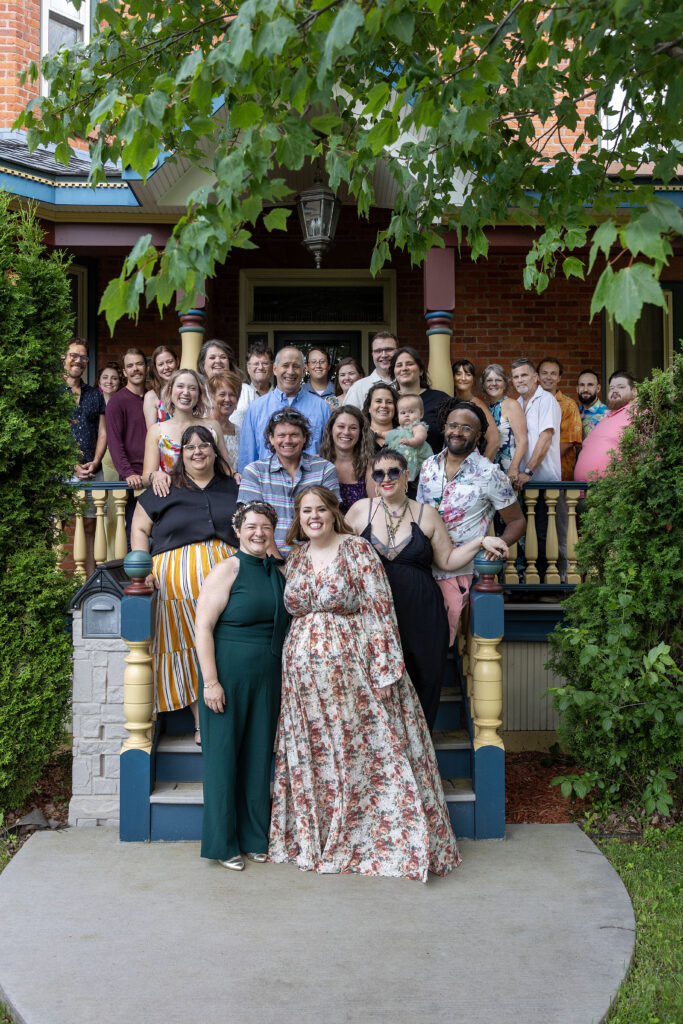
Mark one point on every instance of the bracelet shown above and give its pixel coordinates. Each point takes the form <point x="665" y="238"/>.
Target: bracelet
<point x="214" y="683"/>
<point x="149" y="479"/>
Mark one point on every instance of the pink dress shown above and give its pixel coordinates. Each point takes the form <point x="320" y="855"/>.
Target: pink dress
<point x="357" y="788"/>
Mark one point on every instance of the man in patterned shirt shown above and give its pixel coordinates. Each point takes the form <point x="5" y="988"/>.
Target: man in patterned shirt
<point x="287" y="470"/>
<point x="591" y="409"/>
<point x="88" y="429"/>
<point x="466" y="489"/>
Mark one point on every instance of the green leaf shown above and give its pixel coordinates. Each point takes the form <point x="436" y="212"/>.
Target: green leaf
<point x="276" y="219"/>
<point x="630" y="289"/>
<point x="347" y="20"/>
<point x="378" y="97"/>
<point x="643" y="235"/>
<point x="246" y="114"/>
<point x="189" y="66"/>
<point x="401" y="26"/>
<point x="573" y="267"/>
<point x="154" y="107"/>
<point x="478" y="120"/>
<point x="382" y="135"/>
<point x="603" y="240"/>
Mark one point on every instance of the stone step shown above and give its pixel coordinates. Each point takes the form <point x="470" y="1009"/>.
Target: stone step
<point x="458" y="790"/>
<point x="451" y="739"/>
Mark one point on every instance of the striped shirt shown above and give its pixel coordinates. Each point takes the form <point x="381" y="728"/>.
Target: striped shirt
<point x="268" y="480"/>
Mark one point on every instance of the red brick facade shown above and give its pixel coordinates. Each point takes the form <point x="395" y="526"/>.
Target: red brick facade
<point x="19" y="44"/>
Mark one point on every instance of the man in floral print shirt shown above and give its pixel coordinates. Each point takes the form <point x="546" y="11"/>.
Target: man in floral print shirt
<point x="467" y="490"/>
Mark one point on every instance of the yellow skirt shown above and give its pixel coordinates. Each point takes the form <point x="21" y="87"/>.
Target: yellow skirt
<point x="179" y="574"/>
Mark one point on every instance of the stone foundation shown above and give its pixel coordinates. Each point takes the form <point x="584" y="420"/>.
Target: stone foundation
<point x="98" y="729"/>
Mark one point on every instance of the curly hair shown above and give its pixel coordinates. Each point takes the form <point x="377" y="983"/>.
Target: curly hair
<point x="263" y="508"/>
<point x="364" y="446"/>
<point x="295" y="534"/>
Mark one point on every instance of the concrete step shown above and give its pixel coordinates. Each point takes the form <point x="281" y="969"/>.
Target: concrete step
<point x="178" y="759"/>
<point x="453" y="753"/>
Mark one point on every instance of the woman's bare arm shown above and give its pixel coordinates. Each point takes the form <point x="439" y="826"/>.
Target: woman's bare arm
<point x="213" y="597"/>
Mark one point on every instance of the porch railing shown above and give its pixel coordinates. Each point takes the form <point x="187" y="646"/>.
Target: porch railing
<point x="110" y="531"/>
<point x="516" y="577"/>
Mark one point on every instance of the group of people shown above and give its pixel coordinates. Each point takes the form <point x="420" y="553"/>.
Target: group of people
<point x="313" y="549"/>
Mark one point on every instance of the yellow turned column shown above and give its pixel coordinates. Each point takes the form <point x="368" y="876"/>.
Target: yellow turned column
<point x="138" y="696"/>
<point x="439" y="332"/>
<point x="487" y="692"/>
<point x="511" y="575"/>
<point x="120" y="542"/>
<point x="100" y="549"/>
<point x="572" y="498"/>
<point x="79" y="541"/>
<point x="531" y="540"/>
<point x="552" y="549"/>
<point x="192" y="337"/>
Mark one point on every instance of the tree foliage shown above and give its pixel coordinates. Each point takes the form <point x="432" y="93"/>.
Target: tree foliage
<point x="620" y="647"/>
<point x="36" y="454"/>
<point x="440" y="91"/>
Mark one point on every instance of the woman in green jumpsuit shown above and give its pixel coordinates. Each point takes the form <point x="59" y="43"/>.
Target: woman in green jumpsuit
<point x="240" y="627"/>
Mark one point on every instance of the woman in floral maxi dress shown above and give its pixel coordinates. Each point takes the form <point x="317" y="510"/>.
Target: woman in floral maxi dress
<point x="357" y="788"/>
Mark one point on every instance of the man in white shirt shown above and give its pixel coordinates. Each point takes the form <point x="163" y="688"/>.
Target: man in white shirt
<point x="384" y="345"/>
<point x="260" y="370"/>
<point x="542" y="459"/>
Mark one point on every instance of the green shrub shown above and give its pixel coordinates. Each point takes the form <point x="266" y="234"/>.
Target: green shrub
<point x="36" y="453"/>
<point x="620" y="647"/>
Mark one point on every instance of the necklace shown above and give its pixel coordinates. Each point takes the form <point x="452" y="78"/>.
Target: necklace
<point x="393" y="526"/>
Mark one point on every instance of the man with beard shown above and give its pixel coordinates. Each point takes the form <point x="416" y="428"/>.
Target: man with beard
<point x="88" y="428"/>
<point x="126" y="427"/>
<point x="604" y="437"/>
<point x="466" y="489"/>
<point x="591" y="409"/>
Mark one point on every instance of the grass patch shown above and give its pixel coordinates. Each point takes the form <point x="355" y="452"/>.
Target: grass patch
<point x="652" y="870"/>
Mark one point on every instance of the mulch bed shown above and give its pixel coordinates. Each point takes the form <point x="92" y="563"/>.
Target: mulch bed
<point x="529" y="796"/>
<point x="50" y="796"/>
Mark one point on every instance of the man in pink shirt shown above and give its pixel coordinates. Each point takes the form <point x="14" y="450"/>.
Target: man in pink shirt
<point x="604" y="438"/>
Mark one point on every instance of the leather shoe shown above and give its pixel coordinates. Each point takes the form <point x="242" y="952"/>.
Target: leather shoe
<point x="259" y="858"/>
<point x="235" y="863"/>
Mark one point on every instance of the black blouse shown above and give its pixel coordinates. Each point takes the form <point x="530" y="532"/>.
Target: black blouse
<point x="191" y="516"/>
<point x="432" y="399"/>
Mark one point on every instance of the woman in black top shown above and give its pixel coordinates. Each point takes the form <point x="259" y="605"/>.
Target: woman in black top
<point x="411" y="377"/>
<point x="188" y="532"/>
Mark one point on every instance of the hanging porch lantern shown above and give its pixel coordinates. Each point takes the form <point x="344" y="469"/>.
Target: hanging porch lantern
<point x="319" y="213"/>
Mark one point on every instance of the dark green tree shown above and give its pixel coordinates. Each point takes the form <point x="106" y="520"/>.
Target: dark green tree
<point x="620" y="647"/>
<point x="37" y="453"/>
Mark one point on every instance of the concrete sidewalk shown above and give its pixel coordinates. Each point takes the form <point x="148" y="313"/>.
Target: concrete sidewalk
<point x="537" y="929"/>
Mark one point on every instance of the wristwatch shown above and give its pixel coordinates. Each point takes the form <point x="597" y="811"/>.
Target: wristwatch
<point x="528" y="472"/>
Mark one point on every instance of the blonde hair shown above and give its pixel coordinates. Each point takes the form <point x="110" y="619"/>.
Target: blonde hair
<point x="415" y="398"/>
<point x="225" y="379"/>
<point x="200" y="409"/>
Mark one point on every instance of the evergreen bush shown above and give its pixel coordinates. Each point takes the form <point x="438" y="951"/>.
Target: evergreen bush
<point x="37" y="453"/>
<point x="620" y="647"/>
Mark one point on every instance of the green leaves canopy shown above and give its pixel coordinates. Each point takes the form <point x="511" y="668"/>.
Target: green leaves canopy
<point x="438" y="90"/>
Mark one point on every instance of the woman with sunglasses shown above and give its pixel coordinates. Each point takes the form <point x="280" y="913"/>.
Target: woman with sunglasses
<point x="188" y="531"/>
<point x="409" y="537"/>
<point x="357" y="787"/>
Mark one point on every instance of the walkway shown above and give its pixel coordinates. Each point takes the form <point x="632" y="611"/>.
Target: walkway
<point x="537" y="929"/>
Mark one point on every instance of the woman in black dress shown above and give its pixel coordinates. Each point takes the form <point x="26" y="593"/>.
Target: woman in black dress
<point x="409" y="537"/>
<point x="411" y="377"/>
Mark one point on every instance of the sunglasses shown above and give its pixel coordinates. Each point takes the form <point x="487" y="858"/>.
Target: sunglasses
<point x="378" y="475"/>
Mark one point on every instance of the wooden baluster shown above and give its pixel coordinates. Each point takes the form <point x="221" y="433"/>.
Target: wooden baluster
<point x="511" y="574"/>
<point x="552" y="548"/>
<point x="100" y="502"/>
<point x="120" y="542"/>
<point x="572" y="497"/>
<point x="79" y="541"/>
<point x="531" y="540"/>
<point x="487" y="692"/>
<point x="138" y="695"/>
<point x="59" y="542"/>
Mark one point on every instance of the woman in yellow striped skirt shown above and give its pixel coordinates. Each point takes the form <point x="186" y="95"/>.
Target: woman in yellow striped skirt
<point x="188" y="531"/>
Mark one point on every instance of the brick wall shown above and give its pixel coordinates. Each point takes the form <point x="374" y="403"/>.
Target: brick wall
<point x="495" y="319"/>
<point x="19" y="44"/>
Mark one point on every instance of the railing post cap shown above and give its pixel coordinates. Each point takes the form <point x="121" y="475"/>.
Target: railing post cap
<point x="138" y="565"/>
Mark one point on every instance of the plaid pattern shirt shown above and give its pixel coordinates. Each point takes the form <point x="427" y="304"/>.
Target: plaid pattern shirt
<point x="268" y="480"/>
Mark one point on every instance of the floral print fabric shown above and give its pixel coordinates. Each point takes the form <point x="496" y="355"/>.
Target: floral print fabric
<point x="357" y="788"/>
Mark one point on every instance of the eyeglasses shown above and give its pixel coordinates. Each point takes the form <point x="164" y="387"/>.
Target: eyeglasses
<point x="79" y="359"/>
<point x="317" y="362"/>
<point x="378" y="475"/>
<point x="382" y="351"/>
<point x="459" y="428"/>
<point x="202" y="447"/>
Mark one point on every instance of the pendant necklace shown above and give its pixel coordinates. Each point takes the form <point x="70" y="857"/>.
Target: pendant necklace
<point x="393" y="521"/>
